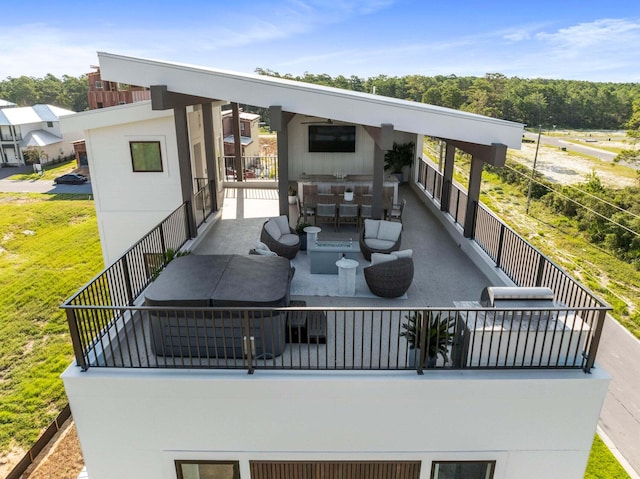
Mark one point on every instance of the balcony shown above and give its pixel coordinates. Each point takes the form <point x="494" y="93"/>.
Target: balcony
<point x="111" y="328"/>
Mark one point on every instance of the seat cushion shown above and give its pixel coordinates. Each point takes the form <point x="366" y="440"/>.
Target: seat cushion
<point x="283" y="224"/>
<point x="289" y="239"/>
<point x="273" y="229"/>
<point x="371" y="228"/>
<point x="379" y="258"/>
<point x="389" y="230"/>
<point x="405" y="253"/>
<point x="379" y="244"/>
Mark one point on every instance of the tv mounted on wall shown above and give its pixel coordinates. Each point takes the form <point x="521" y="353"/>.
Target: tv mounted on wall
<point x="332" y="138"/>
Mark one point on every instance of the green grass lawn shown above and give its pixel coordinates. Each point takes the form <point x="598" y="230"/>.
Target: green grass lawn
<point x="49" y="172"/>
<point x="602" y="464"/>
<point x="49" y="247"/>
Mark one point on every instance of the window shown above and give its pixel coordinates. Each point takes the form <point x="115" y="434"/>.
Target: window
<point x="145" y="156"/>
<point x="462" y="469"/>
<point x="98" y="85"/>
<point x="50" y="124"/>
<point x="208" y="469"/>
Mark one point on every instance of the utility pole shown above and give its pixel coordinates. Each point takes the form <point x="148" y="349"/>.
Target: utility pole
<point x="533" y="169"/>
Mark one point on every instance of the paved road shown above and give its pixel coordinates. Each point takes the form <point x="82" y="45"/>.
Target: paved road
<point x="619" y="355"/>
<point x="37" y="186"/>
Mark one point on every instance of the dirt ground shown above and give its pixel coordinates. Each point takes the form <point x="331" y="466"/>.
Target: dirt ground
<point x="62" y="459"/>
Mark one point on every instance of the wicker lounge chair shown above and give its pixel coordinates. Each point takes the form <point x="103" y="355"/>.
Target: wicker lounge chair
<point x="367" y="246"/>
<point x="391" y="279"/>
<point x="285" y="245"/>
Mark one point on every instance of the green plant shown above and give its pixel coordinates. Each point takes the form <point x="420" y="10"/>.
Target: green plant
<point x="399" y="156"/>
<point x="348" y="189"/>
<point x="438" y="337"/>
<point x="292" y="191"/>
<point x="301" y="226"/>
<point x="166" y="258"/>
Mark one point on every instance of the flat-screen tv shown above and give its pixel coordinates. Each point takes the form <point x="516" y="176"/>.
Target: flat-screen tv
<point x="332" y="138"/>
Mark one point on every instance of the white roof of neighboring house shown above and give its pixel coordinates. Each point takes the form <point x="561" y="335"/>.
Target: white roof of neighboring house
<point x="243" y="115"/>
<point x="6" y="103"/>
<point x="31" y="114"/>
<point x="310" y="99"/>
<point x="40" y="138"/>
<point x="244" y="140"/>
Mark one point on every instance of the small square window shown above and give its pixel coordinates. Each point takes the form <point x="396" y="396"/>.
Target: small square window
<point x="462" y="469"/>
<point x="208" y="469"/>
<point x="145" y="156"/>
<point x="50" y="124"/>
<point x="98" y="85"/>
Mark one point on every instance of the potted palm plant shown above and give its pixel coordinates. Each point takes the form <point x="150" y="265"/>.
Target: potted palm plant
<point x="399" y="159"/>
<point x="438" y="336"/>
<point x="292" y="195"/>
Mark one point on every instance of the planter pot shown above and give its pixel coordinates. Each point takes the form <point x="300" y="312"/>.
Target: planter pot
<point x="414" y="357"/>
<point x="406" y="173"/>
<point x="348" y="195"/>
<point x="292" y="200"/>
<point x="399" y="176"/>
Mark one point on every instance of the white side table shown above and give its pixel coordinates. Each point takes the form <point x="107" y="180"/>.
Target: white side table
<point x="347" y="276"/>
<point x="312" y="233"/>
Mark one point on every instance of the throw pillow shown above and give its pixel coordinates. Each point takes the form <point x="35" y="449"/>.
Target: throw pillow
<point x="261" y="245"/>
<point x="266" y="252"/>
<point x="273" y="229"/>
<point x="371" y="228"/>
<point x="405" y="253"/>
<point x="379" y="258"/>
<point x="389" y="230"/>
<point x="283" y="224"/>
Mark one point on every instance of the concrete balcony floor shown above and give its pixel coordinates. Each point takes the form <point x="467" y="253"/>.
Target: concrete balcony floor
<point x="443" y="272"/>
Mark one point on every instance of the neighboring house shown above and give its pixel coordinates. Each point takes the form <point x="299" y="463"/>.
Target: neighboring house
<point x="103" y="94"/>
<point x="37" y="128"/>
<point x="6" y="104"/>
<point x="249" y="133"/>
<point x="360" y="411"/>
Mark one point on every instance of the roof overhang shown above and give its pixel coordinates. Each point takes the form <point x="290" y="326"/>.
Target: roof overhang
<point x="309" y="99"/>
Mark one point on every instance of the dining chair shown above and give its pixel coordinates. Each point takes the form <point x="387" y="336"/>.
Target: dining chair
<point x="348" y="213"/>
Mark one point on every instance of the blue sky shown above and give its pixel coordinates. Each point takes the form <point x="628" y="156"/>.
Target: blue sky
<point x="582" y="40"/>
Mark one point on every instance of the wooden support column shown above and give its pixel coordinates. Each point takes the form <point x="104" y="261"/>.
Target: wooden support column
<point x="210" y="153"/>
<point x="184" y="163"/>
<point x="475" y="179"/>
<point x="447" y="179"/>
<point x="279" y="122"/>
<point x="237" y="142"/>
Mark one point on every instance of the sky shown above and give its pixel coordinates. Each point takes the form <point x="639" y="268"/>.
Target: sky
<point x="564" y="39"/>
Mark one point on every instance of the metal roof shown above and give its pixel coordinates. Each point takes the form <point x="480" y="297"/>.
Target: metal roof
<point x="309" y="99"/>
<point x="39" y="138"/>
<point x="6" y="103"/>
<point x="25" y="115"/>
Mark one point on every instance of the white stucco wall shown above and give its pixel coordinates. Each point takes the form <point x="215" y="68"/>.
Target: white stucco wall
<point x="130" y="203"/>
<point x="134" y="424"/>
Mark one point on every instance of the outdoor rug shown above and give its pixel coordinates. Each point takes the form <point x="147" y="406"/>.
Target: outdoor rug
<point x="306" y="284"/>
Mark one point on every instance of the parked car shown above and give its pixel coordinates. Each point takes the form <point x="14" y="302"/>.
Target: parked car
<point x="71" y="179"/>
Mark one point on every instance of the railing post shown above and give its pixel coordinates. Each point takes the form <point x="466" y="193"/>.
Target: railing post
<point x="248" y="347"/>
<point x="127" y="280"/>
<point x="162" y="243"/>
<point x="75" y="339"/>
<point x="595" y="341"/>
<point x="474" y="218"/>
<point x="541" y="263"/>
<point x="500" y="242"/>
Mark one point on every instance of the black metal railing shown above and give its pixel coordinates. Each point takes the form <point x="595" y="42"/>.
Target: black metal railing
<point x="202" y="201"/>
<point x="336" y="339"/>
<point x="254" y="168"/>
<point x="432" y="183"/>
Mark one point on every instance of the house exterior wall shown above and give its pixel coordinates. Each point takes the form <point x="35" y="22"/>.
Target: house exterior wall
<point x="134" y="424"/>
<point x="358" y="163"/>
<point x="129" y="204"/>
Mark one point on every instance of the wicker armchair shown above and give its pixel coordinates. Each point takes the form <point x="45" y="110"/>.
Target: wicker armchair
<point x="284" y="250"/>
<point x="390" y="279"/>
<point x="366" y="249"/>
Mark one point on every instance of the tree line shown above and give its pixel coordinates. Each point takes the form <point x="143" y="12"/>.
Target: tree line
<point x="565" y="103"/>
<point x="67" y="92"/>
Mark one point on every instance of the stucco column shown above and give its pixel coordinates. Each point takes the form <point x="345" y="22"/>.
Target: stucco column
<point x="475" y="179"/>
<point x="279" y="122"/>
<point x="184" y="163"/>
<point x="447" y="174"/>
<point x="237" y="142"/>
<point x="210" y="152"/>
<point x="383" y="142"/>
